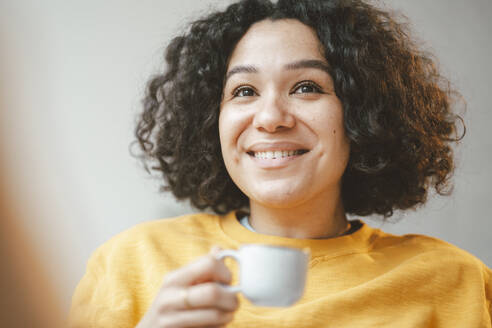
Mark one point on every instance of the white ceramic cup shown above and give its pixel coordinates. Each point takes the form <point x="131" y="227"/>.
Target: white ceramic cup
<point x="269" y="275"/>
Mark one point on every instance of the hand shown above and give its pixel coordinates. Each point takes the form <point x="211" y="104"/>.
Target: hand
<point x="193" y="297"/>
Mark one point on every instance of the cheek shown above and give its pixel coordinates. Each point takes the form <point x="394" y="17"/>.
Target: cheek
<point x="341" y="142"/>
<point x="223" y="135"/>
<point x="328" y="125"/>
<point x="337" y="131"/>
<point x="230" y="131"/>
<point x="232" y="125"/>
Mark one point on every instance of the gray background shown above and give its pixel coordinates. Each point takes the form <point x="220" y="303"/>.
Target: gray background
<point x="71" y="77"/>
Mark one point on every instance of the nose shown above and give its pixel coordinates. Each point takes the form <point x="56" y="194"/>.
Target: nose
<point x="273" y="115"/>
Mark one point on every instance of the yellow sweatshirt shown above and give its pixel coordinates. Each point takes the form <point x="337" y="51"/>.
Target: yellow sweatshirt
<point x="366" y="279"/>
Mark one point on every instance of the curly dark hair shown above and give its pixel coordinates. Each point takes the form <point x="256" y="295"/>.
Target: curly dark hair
<point x="397" y="107"/>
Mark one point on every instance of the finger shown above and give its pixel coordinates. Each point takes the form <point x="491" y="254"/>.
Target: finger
<point x="208" y="295"/>
<point x="207" y="268"/>
<point x="212" y="295"/>
<point x="197" y="318"/>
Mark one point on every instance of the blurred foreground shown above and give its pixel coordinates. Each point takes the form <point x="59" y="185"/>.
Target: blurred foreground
<point x="27" y="298"/>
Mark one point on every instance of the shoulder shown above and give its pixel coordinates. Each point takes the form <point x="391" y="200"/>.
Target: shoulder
<point x="427" y="252"/>
<point x="153" y="237"/>
<point x="432" y="270"/>
<point x="165" y="227"/>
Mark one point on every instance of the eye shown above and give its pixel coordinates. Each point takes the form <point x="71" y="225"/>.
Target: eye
<point x="244" y="91"/>
<point x="307" y="87"/>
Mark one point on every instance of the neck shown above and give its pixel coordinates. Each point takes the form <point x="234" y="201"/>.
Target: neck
<point x="320" y="218"/>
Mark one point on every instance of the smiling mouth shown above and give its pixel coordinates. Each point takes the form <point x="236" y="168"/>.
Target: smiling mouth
<point x="276" y="154"/>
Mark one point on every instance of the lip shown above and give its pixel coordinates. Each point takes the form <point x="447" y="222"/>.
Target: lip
<point x="275" y="163"/>
<point x="278" y="145"/>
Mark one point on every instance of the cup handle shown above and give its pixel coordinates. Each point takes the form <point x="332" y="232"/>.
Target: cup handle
<point x="233" y="254"/>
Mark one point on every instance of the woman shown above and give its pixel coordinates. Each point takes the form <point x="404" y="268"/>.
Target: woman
<point x="283" y="118"/>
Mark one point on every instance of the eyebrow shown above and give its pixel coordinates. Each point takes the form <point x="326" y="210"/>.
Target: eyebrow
<point x="309" y="63"/>
<point x="241" y="69"/>
<point x="300" y="64"/>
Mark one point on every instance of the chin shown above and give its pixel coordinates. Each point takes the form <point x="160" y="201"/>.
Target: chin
<point x="278" y="198"/>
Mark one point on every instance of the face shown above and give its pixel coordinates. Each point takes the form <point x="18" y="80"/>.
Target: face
<point x="281" y="123"/>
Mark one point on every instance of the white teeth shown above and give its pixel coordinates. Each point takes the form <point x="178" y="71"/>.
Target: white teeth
<point x="276" y="154"/>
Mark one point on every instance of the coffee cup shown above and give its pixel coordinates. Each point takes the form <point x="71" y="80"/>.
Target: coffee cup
<point x="269" y="275"/>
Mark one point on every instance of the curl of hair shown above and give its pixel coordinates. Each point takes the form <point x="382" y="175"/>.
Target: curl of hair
<point x="397" y="107"/>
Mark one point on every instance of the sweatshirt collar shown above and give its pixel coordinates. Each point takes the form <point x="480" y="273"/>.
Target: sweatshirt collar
<point x="356" y="242"/>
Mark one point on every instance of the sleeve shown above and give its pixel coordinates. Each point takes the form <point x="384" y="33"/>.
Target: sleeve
<point x="488" y="290"/>
<point x="103" y="297"/>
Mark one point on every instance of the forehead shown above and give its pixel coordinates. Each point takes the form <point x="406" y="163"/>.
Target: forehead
<point x="272" y="42"/>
